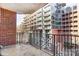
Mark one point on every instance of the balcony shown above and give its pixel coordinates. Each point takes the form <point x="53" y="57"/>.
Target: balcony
<point x="48" y="27"/>
<point x="47" y="23"/>
<point x="47" y="18"/>
<point x="39" y="28"/>
<point x="39" y="23"/>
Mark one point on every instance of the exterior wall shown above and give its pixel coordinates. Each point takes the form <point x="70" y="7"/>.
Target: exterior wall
<point x="7" y="27"/>
<point x="47" y="17"/>
<point x="70" y="20"/>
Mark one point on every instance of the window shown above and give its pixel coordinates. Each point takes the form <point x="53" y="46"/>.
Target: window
<point x="66" y="18"/>
<point x="47" y="25"/>
<point x="62" y="11"/>
<point x="46" y="16"/>
<point x="47" y="11"/>
<point x="39" y="21"/>
<point x="75" y="26"/>
<point x="58" y="11"/>
<point x="70" y="22"/>
<point x="64" y="31"/>
<point x="38" y="16"/>
<point x="63" y="15"/>
<point x="63" y="26"/>
<point x="74" y="7"/>
<point x="39" y="12"/>
<point x="66" y="14"/>
<point x="67" y="22"/>
<point x="71" y="26"/>
<point x="67" y="30"/>
<point x="75" y="12"/>
<point x="75" y="30"/>
<point x="63" y="19"/>
<point x="75" y="16"/>
<point x="71" y="30"/>
<point x="63" y="23"/>
<point x="70" y="17"/>
<point x="68" y="9"/>
<point x="39" y="25"/>
<point x="70" y="13"/>
<point x="47" y="20"/>
<point x="75" y="21"/>
<point x="67" y="26"/>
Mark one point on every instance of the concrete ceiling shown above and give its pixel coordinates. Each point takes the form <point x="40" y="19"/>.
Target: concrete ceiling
<point x="23" y="8"/>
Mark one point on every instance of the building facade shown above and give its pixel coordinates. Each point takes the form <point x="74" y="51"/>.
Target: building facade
<point x="53" y="18"/>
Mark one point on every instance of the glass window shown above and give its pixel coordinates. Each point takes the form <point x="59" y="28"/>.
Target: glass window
<point x="74" y="7"/>
<point x="68" y="9"/>
<point x="70" y="17"/>
<point x="75" y="26"/>
<point x="75" y="30"/>
<point x="62" y="11"/>
<point x="57" y="11"/>
<point x="63" y="15"/>
<point x="75" y="12"/>
<point x="70" y="13"/>
<point x="75" y="16"/>
<point x="75" y="21"/>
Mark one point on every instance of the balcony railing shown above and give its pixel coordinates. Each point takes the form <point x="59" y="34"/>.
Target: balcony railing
<point x="57" y="45"/>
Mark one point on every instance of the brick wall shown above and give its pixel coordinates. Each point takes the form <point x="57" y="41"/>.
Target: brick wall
<point x="7" y="27"/>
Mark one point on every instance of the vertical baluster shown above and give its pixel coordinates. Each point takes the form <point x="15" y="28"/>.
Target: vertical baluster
<point x="71" y="45"/>
<point x="75" y="45"/>
<point x="67" y="45"/>
<point x="64" y="45"/>
<point x="54" y="45"/>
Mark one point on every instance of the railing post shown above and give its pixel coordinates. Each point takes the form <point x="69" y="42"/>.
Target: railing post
<point x="64" y="43"/>
<point x="54" y="45"/>
<point x="40" y="42"/>
<point x="71" y="45"/>
<point x="75" y="45"/>
<point x="67" y="45"/>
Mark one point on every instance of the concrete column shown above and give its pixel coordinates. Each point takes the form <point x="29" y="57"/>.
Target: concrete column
<point x="43" y="45"/>
<point x="38" y="38"/>
<point x="43" y="39"/>
<point x="35" y="37"/>
<point x="32" y="38"/>
<point x="18" y="37"/>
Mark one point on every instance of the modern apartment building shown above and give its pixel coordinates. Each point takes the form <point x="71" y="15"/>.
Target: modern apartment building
<point x="70" y="22"/>
<point x="53" y="19"/>
<point x="41" y="23"/>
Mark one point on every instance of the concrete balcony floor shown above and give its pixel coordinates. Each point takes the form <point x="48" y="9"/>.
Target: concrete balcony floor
<point x="22" y="50"/>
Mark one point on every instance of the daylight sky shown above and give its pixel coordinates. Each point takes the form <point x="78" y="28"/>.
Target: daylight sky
<point x="20" y="18"/>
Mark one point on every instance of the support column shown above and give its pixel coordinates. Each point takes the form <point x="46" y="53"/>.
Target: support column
<point x="18" y="38"/>
<point x="35" y="37"/>
<point x="43" y="39"/>
<point x="38" y="38"/>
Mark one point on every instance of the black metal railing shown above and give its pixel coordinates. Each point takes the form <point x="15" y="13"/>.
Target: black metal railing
<point x="58" y="45"/>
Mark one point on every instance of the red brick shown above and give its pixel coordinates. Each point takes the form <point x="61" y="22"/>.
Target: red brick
<point x="7" y="27"/>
